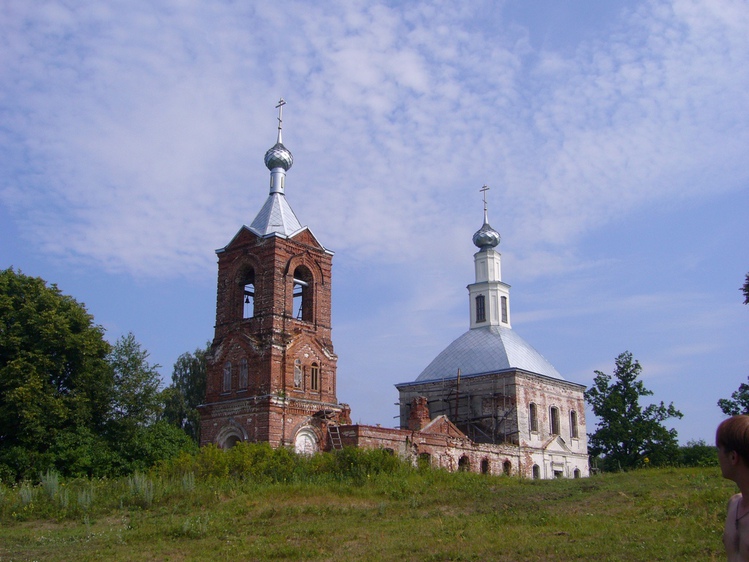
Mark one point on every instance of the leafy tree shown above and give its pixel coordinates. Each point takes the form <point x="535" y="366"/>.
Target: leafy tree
<point x="738" y="403"/>
<point x="135" y="396"/>
<point x="745" y="289"/>
<point x="698" y="453"/>
<point x="627" y="434"/>
<point x="187" y="392"/>
<point x="54" y="376"/>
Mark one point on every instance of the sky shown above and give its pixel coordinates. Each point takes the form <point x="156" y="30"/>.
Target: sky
<point x="613" y="136"/>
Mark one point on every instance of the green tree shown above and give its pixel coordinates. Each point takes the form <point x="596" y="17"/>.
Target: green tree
<point x="627" y="433"/>
<point x="738" y="403"/>
<point x="135" y="397"/>
<point x="54" y="376"/>
<point x="745" y="289"/>
<point x="187" y="392"/>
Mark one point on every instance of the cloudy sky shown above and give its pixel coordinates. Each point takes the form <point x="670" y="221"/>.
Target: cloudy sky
<point x="614" y="137"/>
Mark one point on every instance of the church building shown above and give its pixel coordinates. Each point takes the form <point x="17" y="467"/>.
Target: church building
<point x="488" y="403"/>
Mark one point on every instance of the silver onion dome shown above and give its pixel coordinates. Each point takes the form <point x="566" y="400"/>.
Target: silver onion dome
<point x="278" y="156"/>
<point x="486" y="237"/>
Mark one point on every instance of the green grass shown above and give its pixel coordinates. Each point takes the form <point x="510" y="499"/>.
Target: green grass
<point x="652" y="514"/>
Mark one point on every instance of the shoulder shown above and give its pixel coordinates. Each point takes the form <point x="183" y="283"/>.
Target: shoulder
<point x="734" y="499"/>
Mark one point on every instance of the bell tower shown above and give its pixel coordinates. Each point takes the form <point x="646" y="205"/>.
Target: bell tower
<point x="271" y="370"/>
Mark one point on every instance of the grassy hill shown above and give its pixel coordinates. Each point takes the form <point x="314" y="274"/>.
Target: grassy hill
<point x="343" y="509"/>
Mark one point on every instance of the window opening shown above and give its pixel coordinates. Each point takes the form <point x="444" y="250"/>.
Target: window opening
<point x="227" y="377"/>
<point x="315" y="377"/>
<point x="573" y="424"/>
<point x="425" y="460"/>
<point x="298" y="373"/>
<point x="464" y="464"/>
<point x="554" y="414"/>
<point x="480" y="308"/>
<point x="243" y="374"/>
<point x="576" y="474"/>
<point x="507" y="468"/>
<point x="536" y="472"/>
<point x="303" y="305"/>
<point x="248" y="294"/>
<point x="484" y="466"/>
<point x="503" y="300"/>
<point x="533" y="417"/>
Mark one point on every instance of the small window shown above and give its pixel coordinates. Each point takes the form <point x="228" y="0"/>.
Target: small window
<point x="507" y="468"/>
<point x="315" y="377"/>
<point x="298" y="373"/>
<point x="573" y="424"/>
<point x="503" y="301"/>
<point x="536" y="472"/>
<point x="484" y="466"/>
<point x="480" y="309"/>
<point x="533" y="417"/>
<point x="227" y="377"/>
<point x="243" y="376"/>
<point x="554" y="415"/>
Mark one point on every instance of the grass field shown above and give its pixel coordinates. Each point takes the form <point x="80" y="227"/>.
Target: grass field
<point x="650" y="514"/>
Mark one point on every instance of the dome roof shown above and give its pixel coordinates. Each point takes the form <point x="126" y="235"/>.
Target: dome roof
<point x="486" y="350"/>
<point x="486" y="237"/>
<point x="278" y="156"/>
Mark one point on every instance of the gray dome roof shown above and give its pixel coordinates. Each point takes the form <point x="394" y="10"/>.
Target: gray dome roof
<point x="486" y="237"/>
<point x="278" y="156"/>
<point x="484" y="350"/>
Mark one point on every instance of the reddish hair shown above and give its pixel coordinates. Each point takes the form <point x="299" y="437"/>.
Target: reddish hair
<point x="733" y="435"/>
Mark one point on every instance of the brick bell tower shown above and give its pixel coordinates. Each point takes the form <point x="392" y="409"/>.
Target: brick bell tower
<point x="271" y="370"/>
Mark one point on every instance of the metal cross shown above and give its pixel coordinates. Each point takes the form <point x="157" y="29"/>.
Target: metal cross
<point x="484" y="190"/>
<point x="279" y="107"/>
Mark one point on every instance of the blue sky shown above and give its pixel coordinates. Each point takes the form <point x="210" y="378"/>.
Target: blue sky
<point x="613" y="135"/>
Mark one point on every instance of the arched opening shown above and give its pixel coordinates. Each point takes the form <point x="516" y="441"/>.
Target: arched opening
<point x="480" y="308"/>
<point x="424" y="460"/>
<point x="464" y="464"/>
<point x="230" y="441"/>
<point x="315" y="377"/>
<point x="536" y="472"/>
<point x="576" y="473"/>
<point x="507" y="468"/>
<point x="484" y="466"/>
<point x="303" y="294"/>
<point x="573" y="424"/>
<point x="533" y="416"/>
<point x="247" y="281"/>
<point x="554" y="418"/>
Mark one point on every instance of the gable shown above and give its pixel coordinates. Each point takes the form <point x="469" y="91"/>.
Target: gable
<point x="441" y="425"/>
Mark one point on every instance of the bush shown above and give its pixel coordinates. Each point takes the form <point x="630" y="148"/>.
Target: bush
<point x="698" y="453"/>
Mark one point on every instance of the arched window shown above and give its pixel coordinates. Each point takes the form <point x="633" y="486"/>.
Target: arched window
<point x="503" y="301"/>
<point x="227" y="377"/>
<point x="536" y="472"/>
<point x="243" y="374"/>
<point x="315" y="377"/>
<point x="464" y="464"/>
<point x="533" y="417"/>
<point x="484" y="466"/>
<point x="573" y="424"/>
<point x="507" y="468"/>
<point x="248" y="293"/>
<point x="576" y="473"/>
<point x="303" y="291"/>
<point x="480" y="308"/>
<point x="298" y="373"/>
<point x="554" y="419"/>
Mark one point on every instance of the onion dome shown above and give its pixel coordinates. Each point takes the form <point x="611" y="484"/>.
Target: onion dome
<point x="486" y="237"/>
<point x="278" y="156"/>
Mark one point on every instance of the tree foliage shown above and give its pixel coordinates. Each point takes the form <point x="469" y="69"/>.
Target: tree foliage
<point x="745" y="289"/>
<point x="627" y="433"/>
<point x="187" y="392"/>
<point x="739" y="401"/>
<point x="68" y="399"/>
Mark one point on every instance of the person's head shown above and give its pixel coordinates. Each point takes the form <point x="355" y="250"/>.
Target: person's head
<point x="733" y="436"/>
